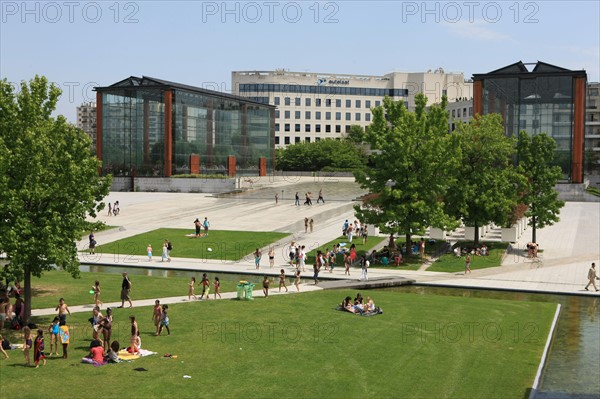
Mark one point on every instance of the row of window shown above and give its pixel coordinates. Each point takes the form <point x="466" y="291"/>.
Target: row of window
<point x="456" y="112"/>
<point x="286" y="140"/>
<point x="287" y="127"/>
<point x="318" y="115"/>
<point x="336" y="90"/>
<point x="328" y="102"/>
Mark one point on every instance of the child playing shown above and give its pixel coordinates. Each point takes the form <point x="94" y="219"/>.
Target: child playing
<point x="205" y="286"/>
<point x="54" y="331"/>
<point x="113" y="353"/>
<point x="217" y="285"/>
<point x="63" y="309"/>
<point x="164" y="322"/>
<point x="64" y="337"/>
<point x="191" y="285"/>
<point x="157" y="316"/>
<point x="149" y="251"/>
<point x="38" y="352"/>
<point x="265" y="284"/>
<point x="96" y="289"/>
<point x="282" y="280"/>
<point x="297" y="282"/>
<point x="27" y="345"/>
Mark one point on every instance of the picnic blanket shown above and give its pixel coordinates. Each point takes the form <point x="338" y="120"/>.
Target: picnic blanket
<point x="376" y="312"/>
<point x="124" y="355"/>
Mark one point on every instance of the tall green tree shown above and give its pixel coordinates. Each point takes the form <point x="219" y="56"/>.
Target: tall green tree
<point x="487" y="184"/>
<point x="49" y="183"/>
<point x="356" y="134"/>
<point x="316" y="156"/>
<point x="536" y="155"/>
<point x="410" y="169"/>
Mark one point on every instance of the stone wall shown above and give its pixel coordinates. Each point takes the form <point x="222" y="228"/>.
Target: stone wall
<point x="166" y="184"/>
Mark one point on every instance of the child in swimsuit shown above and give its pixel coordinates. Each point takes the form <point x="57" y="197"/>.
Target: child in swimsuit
<point x="266" y="283"/>
<point x="157" y="316"/>
<point x="164" y="322"/>
<point x="54" y="330"/>
<point x="282" y="281"/>
<point x="38" y="353"/>
<point x="28" y="344"/>
<point x="217" y="285"/>
<point x="205" y="286"/>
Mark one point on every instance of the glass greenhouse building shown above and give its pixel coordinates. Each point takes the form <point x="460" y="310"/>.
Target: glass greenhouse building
<point x="547" y="99"/>
<point x="151" y="127"/>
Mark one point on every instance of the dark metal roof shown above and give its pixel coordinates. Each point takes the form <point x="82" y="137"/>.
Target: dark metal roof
<point x="149" y="82"/>
<point x="518" y="69"/>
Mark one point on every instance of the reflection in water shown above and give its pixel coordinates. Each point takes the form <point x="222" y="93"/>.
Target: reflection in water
<point x="573" y="363"/>
<point x="141" y="271"/>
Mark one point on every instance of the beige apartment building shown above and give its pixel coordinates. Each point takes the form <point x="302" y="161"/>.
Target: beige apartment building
<point x="86" y="120"/>
<point x="312" y="106"/>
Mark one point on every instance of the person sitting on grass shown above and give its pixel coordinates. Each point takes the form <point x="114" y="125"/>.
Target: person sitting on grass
<point x="369" y="305"/>
<point x="347" y="305"/>
<point x="113" y="353"/>
<point x="96" y="356"/>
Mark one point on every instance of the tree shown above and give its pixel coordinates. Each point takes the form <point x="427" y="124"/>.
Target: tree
<point x="323" y="154"/>
<point x="536" y="154"/>
<point x="487" y="185"/>
<point x="410" y="170"/>
<point x="356" y="134"/>
<point x="49" y="183"/>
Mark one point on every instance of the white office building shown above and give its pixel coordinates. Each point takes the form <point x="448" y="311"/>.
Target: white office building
<point x="313" y="106"/>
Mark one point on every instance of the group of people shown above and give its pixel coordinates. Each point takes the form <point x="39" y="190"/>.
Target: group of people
<point x="114" y="209"/>
<point x="11" y="313"/>
<point x="356" y="229"/>
<point x="167" y="247"/>
<point x="359" y="305"/>
<point x="205" y="283"/>
<point x="307" y="198"/>
<point x="282" y="282"/>
<point x="198" y="226"/>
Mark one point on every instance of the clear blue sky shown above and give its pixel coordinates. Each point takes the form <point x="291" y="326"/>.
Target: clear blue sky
<point x="81" y="44"/>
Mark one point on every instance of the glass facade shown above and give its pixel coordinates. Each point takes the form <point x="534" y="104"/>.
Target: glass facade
<point x="213" y="126"/>
<point x="541" y="100"/>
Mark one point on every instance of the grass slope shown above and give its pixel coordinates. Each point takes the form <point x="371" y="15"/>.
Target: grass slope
<point x="226" y="245"/>
<point x="298" y="346"/>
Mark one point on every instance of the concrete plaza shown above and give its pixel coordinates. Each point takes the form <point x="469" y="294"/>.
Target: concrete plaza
<point x="569" y="247"/>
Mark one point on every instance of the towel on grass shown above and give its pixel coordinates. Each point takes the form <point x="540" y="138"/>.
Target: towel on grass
<point x="124" y="355"/>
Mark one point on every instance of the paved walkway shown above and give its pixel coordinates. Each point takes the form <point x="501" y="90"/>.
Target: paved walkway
<point x="569" y="247"/>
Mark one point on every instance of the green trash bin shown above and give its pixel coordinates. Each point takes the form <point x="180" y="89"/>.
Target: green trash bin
<point x="240" y="291"/>
<point x="249" y="287"/>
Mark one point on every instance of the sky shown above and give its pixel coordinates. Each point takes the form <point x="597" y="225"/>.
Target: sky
<point x="82" y="44"/>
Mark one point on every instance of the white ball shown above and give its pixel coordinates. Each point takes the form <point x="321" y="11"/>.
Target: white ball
<point x="209" y="249"/>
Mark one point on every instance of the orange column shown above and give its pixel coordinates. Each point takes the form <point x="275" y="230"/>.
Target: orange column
<point x="195" y="164"/>
<point x="262" y="166"/>
<point x="478" y="97"/>
<point x="578" y="126"/>
<point x="168" y="158"/>
<point x="231" y="166"/>
<point x="99" y="126"/>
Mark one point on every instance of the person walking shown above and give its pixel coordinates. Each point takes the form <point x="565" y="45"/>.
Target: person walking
<point x="592" y="276"/>
<point x="297" y="203"/>
<point x="92" y="245"/>
<point x="206" y="225"/>
<point x="468" y="264"/>
<point x="110" y="212"/>
<point x="310" y="225"/>
<point x="305" y="225"/>
<point x="320" y="196"/>
<point x="126" y="291"/>
<point x="257" y="256"/>
<point x="276" y="198"/>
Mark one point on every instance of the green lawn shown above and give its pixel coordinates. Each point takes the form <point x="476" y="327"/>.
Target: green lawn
<point x="450" y="263"/>
<point x="339" y="259"/>
<point x="55" y="284"/>
<point x="422" y="347"/>
<point x="225" y="244"/>
<point x="411" y="262"/>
